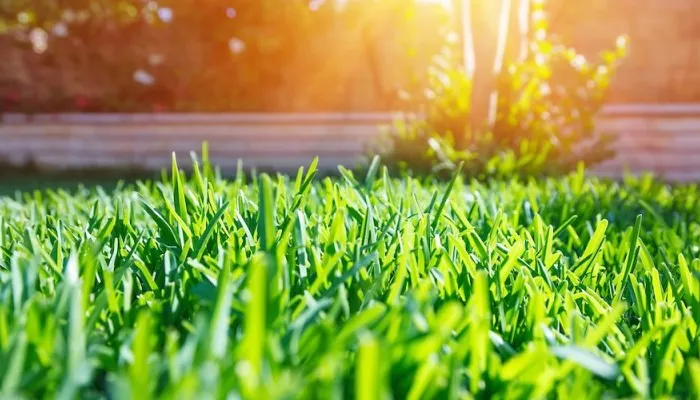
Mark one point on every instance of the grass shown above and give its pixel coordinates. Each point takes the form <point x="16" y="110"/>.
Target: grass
<point x="358" y="287"/>
<point x="30" y="177"/>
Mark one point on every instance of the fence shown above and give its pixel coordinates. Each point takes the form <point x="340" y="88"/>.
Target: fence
<point x="663" y="139"/>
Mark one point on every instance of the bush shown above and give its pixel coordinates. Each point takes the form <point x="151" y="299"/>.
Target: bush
<point x="545" y="119"/>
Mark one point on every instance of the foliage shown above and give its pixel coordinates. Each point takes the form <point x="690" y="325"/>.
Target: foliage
<point x="371" y="288"/>
<point x="184" y="55"/>
<point x="179" y="46"/>
<point x="545" y="119"/>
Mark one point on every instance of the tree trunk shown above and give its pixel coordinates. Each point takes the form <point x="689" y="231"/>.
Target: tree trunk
<point x="493" y="33"/>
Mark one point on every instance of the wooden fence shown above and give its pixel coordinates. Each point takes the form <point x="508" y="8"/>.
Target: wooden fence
<point x="663" y="139"/>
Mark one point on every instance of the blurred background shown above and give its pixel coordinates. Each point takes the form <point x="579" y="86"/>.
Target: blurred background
<point x="112" y="85"/>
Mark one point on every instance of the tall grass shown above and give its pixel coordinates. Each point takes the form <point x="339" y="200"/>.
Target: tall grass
<point x="359" y="287"/>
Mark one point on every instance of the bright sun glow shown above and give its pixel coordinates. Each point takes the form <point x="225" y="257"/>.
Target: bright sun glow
<point x="444" y="3"/>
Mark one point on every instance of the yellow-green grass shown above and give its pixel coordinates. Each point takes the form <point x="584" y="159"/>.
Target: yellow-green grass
<point x="362" y="287"/>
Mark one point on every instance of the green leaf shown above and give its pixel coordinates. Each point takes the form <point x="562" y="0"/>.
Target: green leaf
<point x="588" y="360"/>
<point x="266" y="226"/>
<point x="203" y="240"/>
<point x="367" y="370"/>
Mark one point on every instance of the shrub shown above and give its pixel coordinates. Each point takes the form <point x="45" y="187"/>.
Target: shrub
<point x="544" y="121"/>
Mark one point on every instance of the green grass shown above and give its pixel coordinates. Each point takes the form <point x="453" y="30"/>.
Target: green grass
<point x="362" y="287"/>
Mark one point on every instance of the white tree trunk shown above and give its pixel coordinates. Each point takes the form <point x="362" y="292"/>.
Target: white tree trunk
<point x="493" y="32"/>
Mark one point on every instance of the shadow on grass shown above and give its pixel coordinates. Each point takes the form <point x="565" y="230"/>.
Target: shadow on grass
<point x="29" y="177"/>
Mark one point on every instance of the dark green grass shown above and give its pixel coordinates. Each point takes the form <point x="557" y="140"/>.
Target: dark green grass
<point x="28" y="179"/>
<point x="358" y="287"/>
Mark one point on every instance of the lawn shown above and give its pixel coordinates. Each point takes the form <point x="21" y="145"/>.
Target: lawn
<point x="360" y="286"/>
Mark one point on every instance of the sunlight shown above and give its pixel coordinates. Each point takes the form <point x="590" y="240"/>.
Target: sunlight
<point x="445" y="3"/>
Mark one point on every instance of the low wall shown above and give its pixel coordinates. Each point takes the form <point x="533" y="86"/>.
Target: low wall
<point x="663" y="139"/>
<point x="145" y="141"/>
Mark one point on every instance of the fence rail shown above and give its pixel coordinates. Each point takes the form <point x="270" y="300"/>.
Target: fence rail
<point x="662" y="139"/>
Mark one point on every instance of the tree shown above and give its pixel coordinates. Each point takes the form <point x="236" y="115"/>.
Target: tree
<point x="537" y="116"/>
<point x="493" y="33"/>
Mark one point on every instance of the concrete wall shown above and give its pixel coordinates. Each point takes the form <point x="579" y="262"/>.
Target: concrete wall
<point x="660" y="139"/>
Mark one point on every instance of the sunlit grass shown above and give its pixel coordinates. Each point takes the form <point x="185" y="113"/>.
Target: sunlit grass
<point x="362" y="286"/>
